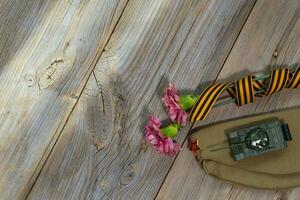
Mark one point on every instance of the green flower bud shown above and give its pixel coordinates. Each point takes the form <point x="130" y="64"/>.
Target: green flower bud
<point x="171" y="130"/>
<point x="187" y="101"/>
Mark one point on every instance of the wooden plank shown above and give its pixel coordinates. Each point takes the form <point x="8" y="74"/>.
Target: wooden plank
<point x="271" y="26"/>
<point x="48" y="49"/>
<point x="101" y="152"/>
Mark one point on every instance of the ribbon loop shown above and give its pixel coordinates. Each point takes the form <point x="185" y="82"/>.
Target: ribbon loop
<point x="294" y="79"/>
<point x="278" y="80"/>
<point x="206" y="101"/>
<point x="244" y="91"/>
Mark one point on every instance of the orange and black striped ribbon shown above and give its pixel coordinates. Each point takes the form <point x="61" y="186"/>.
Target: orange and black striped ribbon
<point x="244" y="90"/>
<point x="294" y="80"/>
<point x="206" y="101"/>
<point x="257" y="85"/>
<point x="278" y="80"/>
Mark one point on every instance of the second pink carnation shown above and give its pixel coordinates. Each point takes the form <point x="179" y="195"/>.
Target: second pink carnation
<point x="171" y="102"/>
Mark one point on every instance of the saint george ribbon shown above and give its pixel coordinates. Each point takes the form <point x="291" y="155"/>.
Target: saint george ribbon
<point x="245" y="90"/>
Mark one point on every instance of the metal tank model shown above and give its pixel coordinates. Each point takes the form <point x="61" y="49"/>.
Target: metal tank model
<point x="258" y="139"/>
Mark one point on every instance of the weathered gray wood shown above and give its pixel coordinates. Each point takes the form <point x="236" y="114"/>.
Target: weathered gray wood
<point x="273" y="26"/>
<point x="101" y="152"/>
<point x="48" y="49"/>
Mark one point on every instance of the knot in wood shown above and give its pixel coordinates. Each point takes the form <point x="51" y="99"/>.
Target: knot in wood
<point x="29" y="80"/>
<point x="51" y="74"/>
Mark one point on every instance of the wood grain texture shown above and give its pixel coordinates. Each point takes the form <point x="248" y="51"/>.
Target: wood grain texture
<point x="273" y="26"/>
<point x="48" y="49"/>
<point x="101" y="153"/>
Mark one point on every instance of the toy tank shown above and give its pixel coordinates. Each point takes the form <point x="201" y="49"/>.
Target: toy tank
<point x="258" y="139"/>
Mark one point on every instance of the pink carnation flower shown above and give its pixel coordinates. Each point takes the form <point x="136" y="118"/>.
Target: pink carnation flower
<point x="159" y="142"/>
<point x="171" y="101"/>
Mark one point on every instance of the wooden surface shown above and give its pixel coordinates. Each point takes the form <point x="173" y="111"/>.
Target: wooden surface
<point x="48" y="49"/>
<point x="78" y="79"/>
